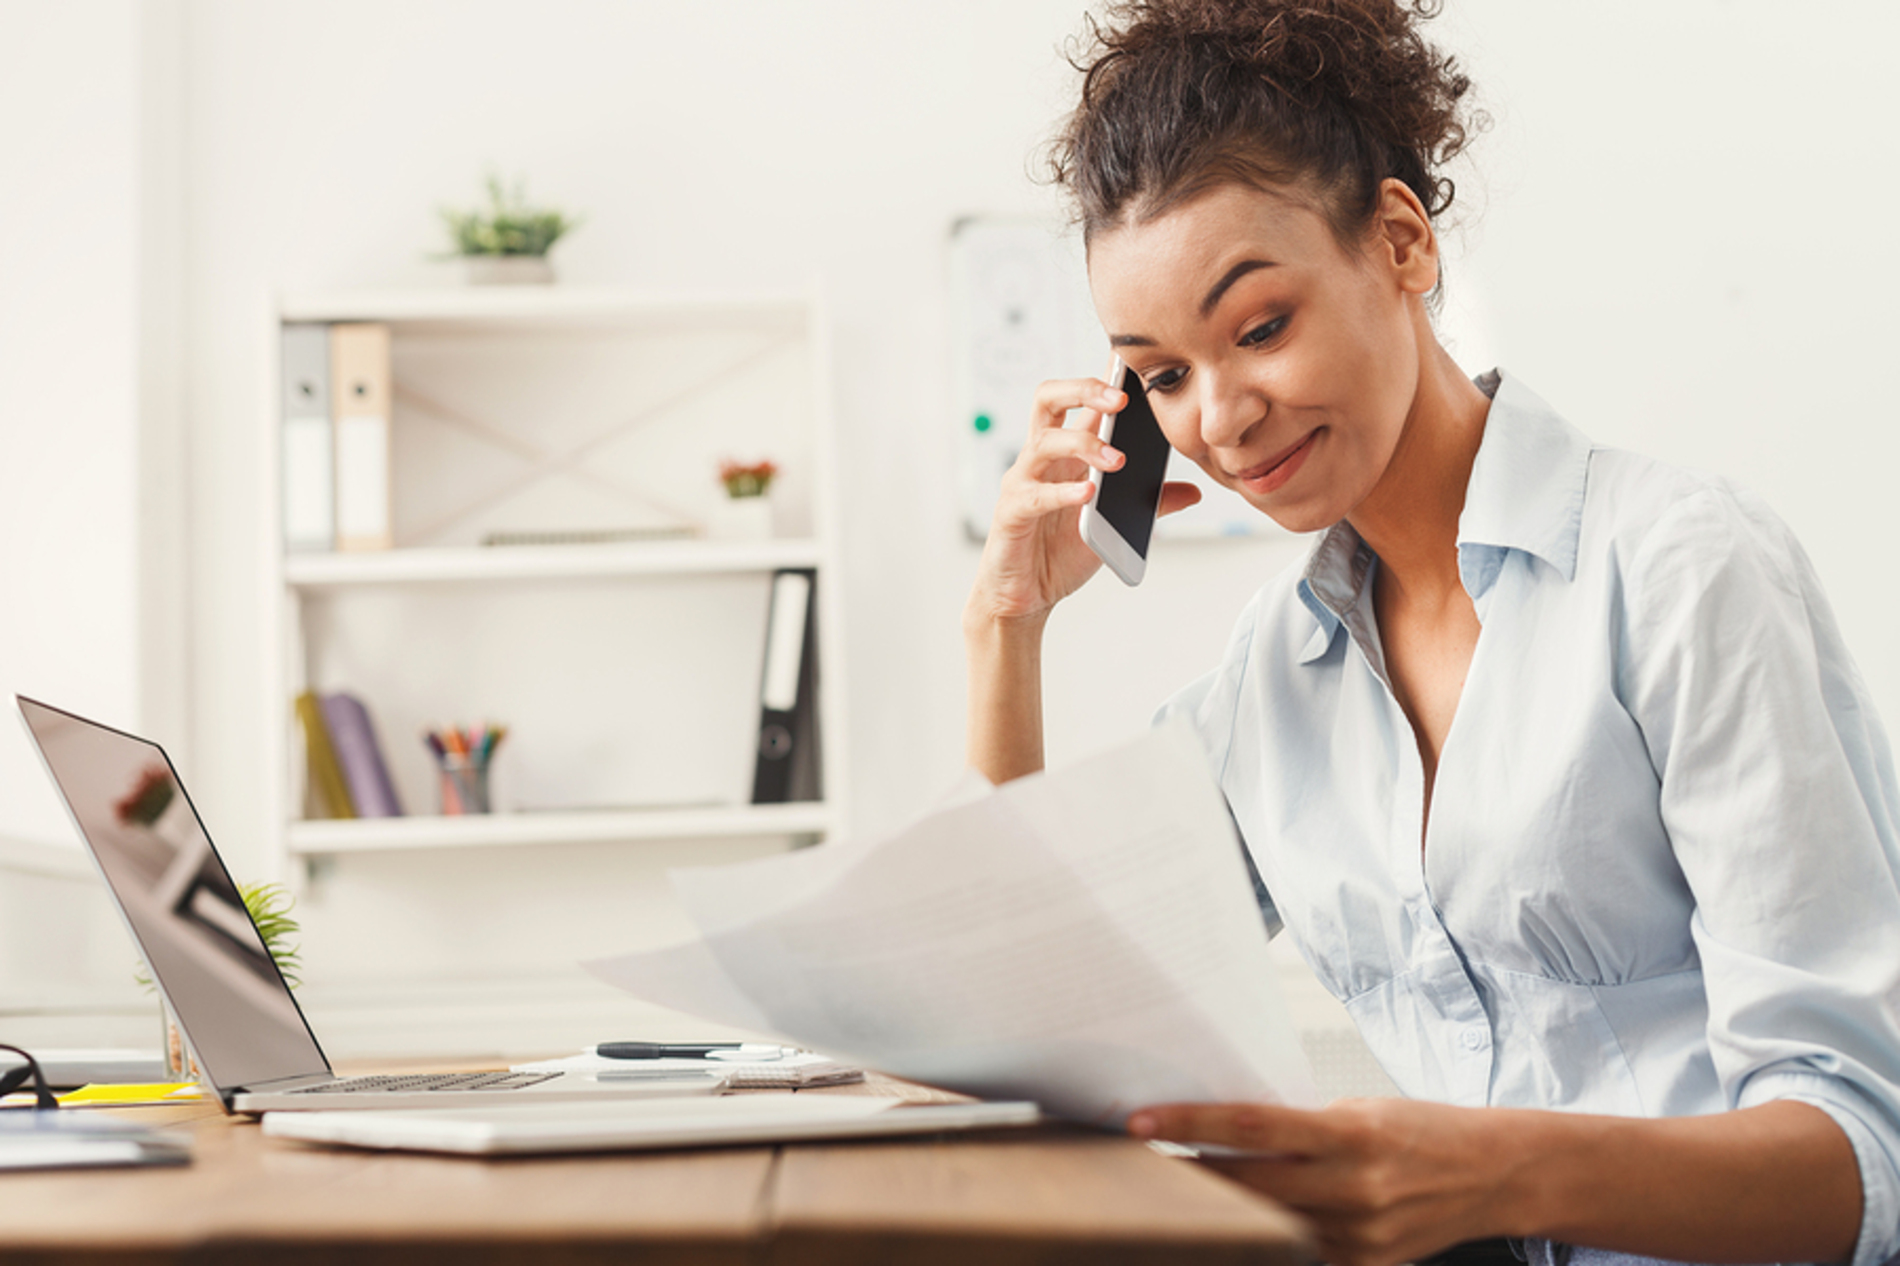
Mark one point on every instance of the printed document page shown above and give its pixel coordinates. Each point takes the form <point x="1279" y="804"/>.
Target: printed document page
<point x="1087" y="938"/>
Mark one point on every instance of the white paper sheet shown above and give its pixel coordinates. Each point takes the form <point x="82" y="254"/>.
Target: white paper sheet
<point x="783" y="1068"/>
<point x="1086" y="938"/>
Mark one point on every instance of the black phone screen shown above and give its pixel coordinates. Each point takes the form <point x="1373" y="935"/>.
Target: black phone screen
<point x="1130" y="496"/>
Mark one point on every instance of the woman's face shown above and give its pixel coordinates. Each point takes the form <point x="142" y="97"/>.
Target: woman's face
<point x="1281" y="363"/>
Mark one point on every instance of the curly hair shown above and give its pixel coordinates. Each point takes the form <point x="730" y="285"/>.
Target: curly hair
<point x="1324" y="97"/>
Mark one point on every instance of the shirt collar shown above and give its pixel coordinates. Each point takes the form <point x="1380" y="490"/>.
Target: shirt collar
<point x="1526" y="489"/>
<point x="1526" y="493"/>
<point x="1332" y="583"/>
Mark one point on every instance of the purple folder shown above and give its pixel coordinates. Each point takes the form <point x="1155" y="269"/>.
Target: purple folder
<point x="362" y="759"/>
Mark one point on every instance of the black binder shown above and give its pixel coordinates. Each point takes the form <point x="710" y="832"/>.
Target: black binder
<point x="788" y="758"/>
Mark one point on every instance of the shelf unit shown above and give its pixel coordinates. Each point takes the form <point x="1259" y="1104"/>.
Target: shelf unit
<point x="521" y="396"/>
<point x="523" y="562"/>
<point x="325" y="838"/>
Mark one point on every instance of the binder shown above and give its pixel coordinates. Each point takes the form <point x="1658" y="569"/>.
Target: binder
<point x="360" y="403"/>
<point x="788" y="766"/>
<point x="309" y="488"/>
<point x="353" y="739"/>
<point x="329" y="793"/>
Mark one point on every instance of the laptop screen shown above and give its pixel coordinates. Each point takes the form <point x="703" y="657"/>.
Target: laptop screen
<point x="174" y="891"/>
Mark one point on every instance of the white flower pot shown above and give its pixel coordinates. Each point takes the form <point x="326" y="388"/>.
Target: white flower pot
<point x="743" y="519"/>
<point x="508" y="270"/>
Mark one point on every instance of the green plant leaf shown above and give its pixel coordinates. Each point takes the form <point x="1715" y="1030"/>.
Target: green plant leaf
<point x="269" y="906"/>
<point x="509" y="227"/>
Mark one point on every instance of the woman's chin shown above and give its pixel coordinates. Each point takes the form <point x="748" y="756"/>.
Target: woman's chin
<point x="1299" y="518"/>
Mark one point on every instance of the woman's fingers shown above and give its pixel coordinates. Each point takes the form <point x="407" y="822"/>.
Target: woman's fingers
<point x="1176" y="497"/>
<point x="1037" y="499"/>
<point x="1058" y="453"/>
<point x="1051" y="474"/>
<point x="1034" y="557"/>
<point x="1249" y="1127"/>
<point x="1047" y="450"/>
<point x="1056" y="398"/>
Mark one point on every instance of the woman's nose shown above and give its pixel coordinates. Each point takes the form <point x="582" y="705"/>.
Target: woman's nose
<point x="1229" y="409"/>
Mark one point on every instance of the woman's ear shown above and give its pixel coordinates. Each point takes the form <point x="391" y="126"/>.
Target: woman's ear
<point x="1403" y="238"/>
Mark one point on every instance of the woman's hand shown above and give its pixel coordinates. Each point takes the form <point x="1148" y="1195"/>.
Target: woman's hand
<point x="1390" y="1180"/>
<point x="1035" y="556"/>
<point x="1381" y="1180"/>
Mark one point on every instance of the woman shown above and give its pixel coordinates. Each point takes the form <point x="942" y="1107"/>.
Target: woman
<point x="1550" y="757"/>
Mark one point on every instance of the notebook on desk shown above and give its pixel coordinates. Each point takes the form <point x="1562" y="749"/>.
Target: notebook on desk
<point x="254" y="1047"/>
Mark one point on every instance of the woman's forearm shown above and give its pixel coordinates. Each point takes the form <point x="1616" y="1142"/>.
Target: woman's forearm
<point x="1005" y="667"/>
<point x="1391" y="1180"/>
<point x="1777" y="1182"/>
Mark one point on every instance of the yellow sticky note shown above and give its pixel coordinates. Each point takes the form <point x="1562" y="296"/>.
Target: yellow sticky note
<point x="134" y="1092"/>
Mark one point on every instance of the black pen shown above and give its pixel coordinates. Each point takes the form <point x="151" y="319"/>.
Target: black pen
<point x="664" y="1050"/>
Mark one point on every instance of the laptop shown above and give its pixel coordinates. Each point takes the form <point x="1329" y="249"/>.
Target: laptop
<point x="254" y="1048"/>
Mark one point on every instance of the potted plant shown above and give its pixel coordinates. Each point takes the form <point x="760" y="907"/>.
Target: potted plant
<point x="746" y="513"/>
<point x="508" y="241"/>
<point x="269" y="906"/>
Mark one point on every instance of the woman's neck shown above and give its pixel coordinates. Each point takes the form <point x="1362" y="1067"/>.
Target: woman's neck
<point x="1410" y="519"/>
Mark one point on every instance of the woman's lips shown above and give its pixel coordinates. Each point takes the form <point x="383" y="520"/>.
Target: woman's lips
<point x="1273" y="473"/>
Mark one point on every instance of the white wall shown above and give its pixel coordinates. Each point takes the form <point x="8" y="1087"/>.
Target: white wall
<point x="69" y="488"/>
<point x="91" y="559"/>
<point x="1677" y="244"/>
<point x="1680" y="247"/>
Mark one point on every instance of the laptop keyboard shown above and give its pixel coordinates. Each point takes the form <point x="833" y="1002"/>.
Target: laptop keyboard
<point x="406" y="1084"/>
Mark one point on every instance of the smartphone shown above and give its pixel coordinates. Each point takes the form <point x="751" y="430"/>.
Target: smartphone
<point x="1119" y="520"/>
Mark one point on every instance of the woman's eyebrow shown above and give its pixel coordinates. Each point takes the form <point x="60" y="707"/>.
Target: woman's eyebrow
<point x="1232" y="275"/>
<point x="1219" y="288"/>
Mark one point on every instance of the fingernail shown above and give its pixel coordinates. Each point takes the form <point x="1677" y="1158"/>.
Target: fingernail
<point x="1141" y="1126"/>
<point x="1113" y="456"/>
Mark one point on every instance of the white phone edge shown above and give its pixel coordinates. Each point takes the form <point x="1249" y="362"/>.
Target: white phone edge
<point x="1097" y="532"/>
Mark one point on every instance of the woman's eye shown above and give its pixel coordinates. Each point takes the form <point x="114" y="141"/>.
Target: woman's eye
<point x="1165" y="381"/>
<point x="1263" y="333"/>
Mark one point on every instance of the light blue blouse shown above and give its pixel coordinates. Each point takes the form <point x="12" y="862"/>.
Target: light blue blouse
<point x="1662" y="874"/>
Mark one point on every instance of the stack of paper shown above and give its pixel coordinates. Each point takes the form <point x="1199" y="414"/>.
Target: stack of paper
<point x="785" y="1069"/>
<point x="1087" y="939"/>
<point x="85" y="1067"/>
<point x="71" y="1140"/>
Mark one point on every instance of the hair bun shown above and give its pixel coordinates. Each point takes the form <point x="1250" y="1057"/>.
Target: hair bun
<point x="1342" y="93"/>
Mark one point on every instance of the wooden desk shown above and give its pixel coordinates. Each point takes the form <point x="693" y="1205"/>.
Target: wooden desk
<point x="1045" y="1197"/>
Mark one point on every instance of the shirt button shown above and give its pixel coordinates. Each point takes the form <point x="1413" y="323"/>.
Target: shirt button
<point x="1476" y="1038"/>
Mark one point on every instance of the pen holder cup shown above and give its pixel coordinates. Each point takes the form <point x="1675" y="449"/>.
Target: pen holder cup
<point x="180" y="1063"/>
<point x="464" y="786"/>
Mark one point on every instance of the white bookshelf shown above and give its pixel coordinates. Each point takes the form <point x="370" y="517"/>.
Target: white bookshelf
<point x="627" y="672"/>
<point x="552" y="306"/>
<point x="326" y="838"/>
<point x="548" y="562"/>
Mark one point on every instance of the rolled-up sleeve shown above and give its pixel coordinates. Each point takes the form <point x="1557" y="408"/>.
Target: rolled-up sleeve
<point x="1778" y="794"/>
